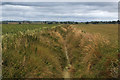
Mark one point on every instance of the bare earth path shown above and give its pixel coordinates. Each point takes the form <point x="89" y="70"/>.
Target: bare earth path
<point x="66" y="73"/>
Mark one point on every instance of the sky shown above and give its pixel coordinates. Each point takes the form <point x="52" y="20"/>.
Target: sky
<point x="60" y="0"/>
<point x="60" y="11"/>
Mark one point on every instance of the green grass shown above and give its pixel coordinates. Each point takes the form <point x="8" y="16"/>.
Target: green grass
<point x="14" y="28"/>
<point x="27" y="53"/>
<point x="38" y="51"/>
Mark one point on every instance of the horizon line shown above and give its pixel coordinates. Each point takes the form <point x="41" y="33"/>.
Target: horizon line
<point x="60" y="21"/>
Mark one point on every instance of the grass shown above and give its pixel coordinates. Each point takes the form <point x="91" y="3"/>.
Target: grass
<point x="38" y="51"/>
<point x="89" y="65"/>
<point x="27" y="54"/>
<point x="14" y="28"/>
<point x="110" y="31"/>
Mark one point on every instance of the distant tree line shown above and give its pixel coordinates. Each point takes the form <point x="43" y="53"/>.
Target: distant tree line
<point x="103" y="22"/>
<point x="60" y="22"/>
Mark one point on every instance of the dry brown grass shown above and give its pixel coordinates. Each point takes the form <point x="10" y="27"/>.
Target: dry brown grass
<point x="42" y="54"/>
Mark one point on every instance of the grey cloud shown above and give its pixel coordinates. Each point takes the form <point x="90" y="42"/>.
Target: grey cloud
<point x="73" y="11"/>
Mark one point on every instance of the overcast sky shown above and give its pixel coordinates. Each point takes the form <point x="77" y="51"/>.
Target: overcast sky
<point x="60" y="11"/>
<point x="60" y="0"/>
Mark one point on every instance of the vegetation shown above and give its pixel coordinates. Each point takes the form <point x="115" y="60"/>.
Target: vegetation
<point x="15" y="28"/>
<point x="92" y="54"/>
<point x="59" y="22"/>
<point x="39" y="51"/>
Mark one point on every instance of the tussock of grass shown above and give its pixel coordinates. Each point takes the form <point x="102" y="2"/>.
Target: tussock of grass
<point x="91" y="55"/>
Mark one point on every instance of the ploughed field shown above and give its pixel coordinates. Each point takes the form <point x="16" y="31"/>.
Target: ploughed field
<point x="60" y="50"/>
